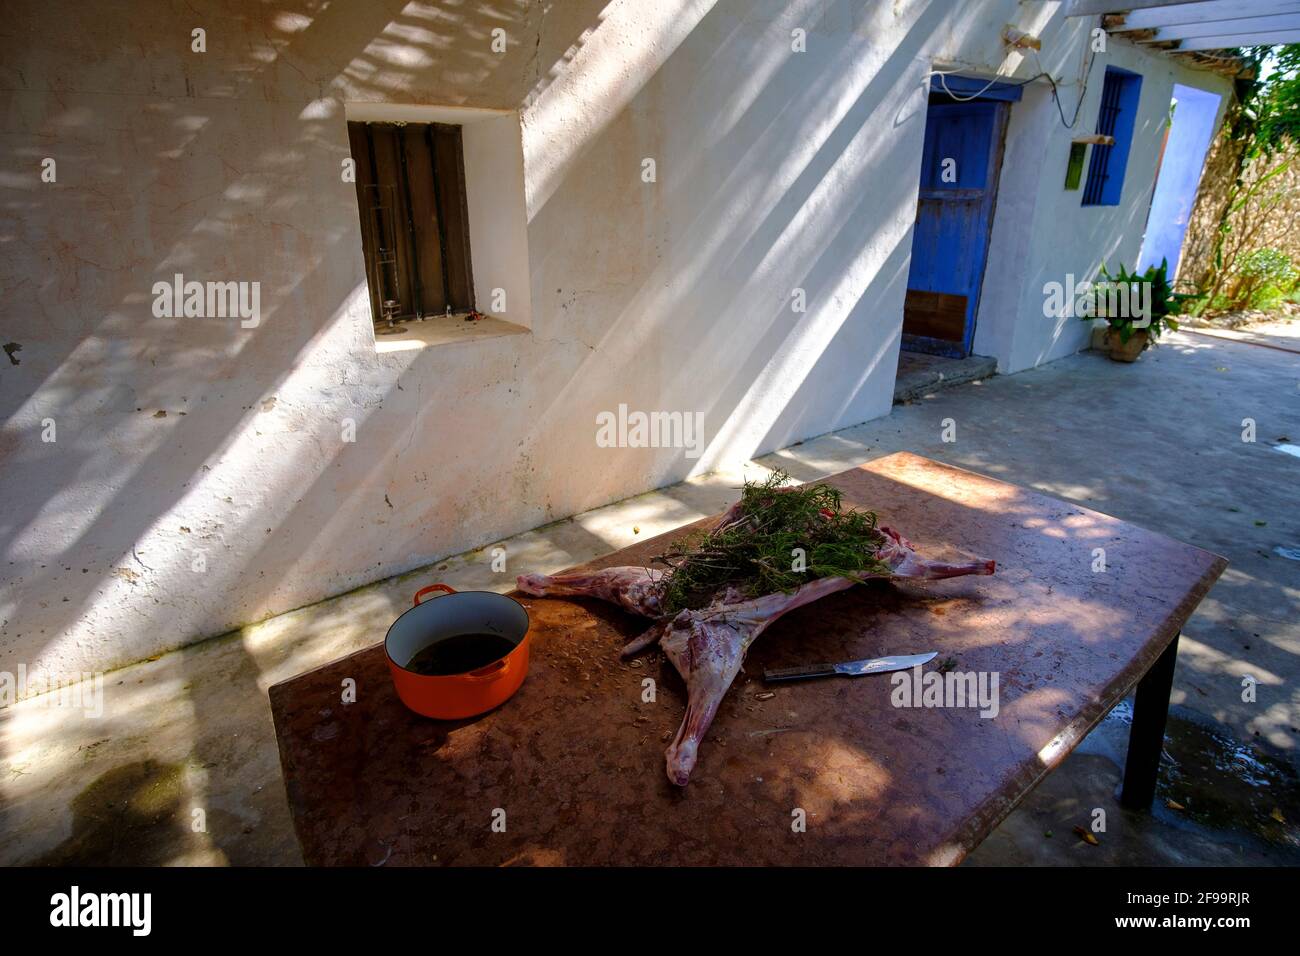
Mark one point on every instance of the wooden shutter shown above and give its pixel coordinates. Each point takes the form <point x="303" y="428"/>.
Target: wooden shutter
<point x="414" y="220"/>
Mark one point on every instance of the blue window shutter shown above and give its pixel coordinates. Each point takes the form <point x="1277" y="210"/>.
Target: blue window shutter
<point x="1117" y="117"/>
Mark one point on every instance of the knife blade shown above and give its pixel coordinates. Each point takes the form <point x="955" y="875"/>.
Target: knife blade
<point x="875" y="665"/>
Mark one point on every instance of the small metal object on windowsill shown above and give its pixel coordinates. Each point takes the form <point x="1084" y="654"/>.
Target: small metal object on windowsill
<point x="390" y="307"/>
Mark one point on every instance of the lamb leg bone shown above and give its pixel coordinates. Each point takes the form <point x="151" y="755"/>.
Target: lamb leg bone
<point x="707" y="648"/>
<point x="633" y="589"/>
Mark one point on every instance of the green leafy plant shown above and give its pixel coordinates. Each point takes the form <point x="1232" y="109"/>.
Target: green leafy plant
<point x="1264" y="278"/>
<point x="1121" y="297"/>
<point x="755" y="551"/>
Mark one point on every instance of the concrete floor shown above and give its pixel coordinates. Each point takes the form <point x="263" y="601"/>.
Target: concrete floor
<point x="182" y="767"/>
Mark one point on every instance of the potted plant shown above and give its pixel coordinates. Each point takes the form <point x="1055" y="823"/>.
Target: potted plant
<point x="1138" y="308"/>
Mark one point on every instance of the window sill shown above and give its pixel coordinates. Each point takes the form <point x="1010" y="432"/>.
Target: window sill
<point x="443" y="330"/>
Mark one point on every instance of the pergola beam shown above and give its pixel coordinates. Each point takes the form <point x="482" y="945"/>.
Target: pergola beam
<point x="1239" y="40"/>
<point x="1282" y="23"/>
<point x="1204" y="11"/>
<point x="1090" y="8"/>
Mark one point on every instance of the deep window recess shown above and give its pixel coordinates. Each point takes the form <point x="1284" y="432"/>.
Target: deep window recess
<point x="414" y="220"/>
<point x="1118" y="114"/>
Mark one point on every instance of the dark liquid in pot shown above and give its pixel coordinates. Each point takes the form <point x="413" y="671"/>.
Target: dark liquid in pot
<point x="460" y="654"/>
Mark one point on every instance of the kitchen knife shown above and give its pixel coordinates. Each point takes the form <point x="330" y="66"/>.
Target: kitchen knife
<point x="878" y="665"/>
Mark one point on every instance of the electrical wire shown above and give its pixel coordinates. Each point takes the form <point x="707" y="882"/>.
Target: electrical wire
<point x="1085" y="74"/>
<point x="943" y="81"/>
<point x="1003" y="80"/>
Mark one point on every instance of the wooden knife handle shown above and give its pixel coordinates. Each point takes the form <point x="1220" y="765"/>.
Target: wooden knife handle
<point x="798" y="673"/>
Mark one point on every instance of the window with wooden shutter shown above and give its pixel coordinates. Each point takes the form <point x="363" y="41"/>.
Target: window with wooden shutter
<point x="410" y="180"/>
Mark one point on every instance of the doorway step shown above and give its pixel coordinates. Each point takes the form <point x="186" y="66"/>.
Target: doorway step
<point x="920" y="374"/>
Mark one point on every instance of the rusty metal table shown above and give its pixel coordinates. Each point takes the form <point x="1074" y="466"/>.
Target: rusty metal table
<point x="573" y="765"/>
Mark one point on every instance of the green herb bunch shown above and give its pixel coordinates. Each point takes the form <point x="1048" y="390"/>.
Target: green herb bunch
<point x="758" y="550"/>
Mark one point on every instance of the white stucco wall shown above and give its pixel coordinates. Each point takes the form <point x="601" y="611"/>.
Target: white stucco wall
<point x="775" y="171"/>
<point x="1041" y="232"/>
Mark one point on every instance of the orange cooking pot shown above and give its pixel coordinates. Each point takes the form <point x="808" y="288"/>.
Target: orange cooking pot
<point x="485" y="617"/>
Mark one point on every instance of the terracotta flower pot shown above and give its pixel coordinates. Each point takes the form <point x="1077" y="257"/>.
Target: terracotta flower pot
<point x="1126" y="351"/>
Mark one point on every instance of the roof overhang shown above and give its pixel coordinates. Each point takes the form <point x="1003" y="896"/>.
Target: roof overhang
<point x="1196" y="29"/>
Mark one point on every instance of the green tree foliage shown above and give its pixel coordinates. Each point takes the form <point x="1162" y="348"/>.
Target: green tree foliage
<point x="1266" y="121"/>
<point x="1264" y="278"/>
<point x="1270" y="109"/>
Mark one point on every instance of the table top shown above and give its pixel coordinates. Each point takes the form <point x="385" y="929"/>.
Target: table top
<point x="575" y="759"/>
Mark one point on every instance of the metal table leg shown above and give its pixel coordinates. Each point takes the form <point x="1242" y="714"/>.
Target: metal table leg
<point x="1146" y="736"/>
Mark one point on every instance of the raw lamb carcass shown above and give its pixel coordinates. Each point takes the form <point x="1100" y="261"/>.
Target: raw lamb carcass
<point x="708" y="646"/>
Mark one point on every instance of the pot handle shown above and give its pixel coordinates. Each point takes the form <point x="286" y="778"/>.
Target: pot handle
<point x="490" y="672"/>
<point x="430" y="589"/>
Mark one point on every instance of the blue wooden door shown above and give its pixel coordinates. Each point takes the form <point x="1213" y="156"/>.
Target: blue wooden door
<point x="959" y="175"/>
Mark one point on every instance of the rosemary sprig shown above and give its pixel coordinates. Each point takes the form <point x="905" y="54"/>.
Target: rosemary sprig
<point x="756" y="554"/>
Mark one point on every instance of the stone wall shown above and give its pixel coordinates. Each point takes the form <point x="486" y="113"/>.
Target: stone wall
<point x="1268" y="221"/>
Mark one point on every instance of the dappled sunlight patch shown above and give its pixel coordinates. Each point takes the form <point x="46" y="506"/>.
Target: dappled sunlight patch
<point x="826" y="777"/>
<point x="1207" y="660"/>
<point x="1034" y="716"/>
